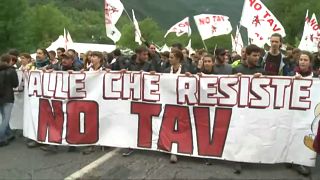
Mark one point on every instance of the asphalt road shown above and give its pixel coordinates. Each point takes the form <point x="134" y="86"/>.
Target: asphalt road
<point x="20" y="162"/>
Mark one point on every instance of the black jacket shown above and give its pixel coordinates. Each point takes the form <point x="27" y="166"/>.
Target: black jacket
<point x="184" y="69"/>
<point x="10" y="81"/>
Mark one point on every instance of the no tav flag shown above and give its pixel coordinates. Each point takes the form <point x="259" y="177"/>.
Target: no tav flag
<point x="210" y="25"/>
<point x="260" y="22"/>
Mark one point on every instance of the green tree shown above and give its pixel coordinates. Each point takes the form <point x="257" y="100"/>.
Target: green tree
<point x="46" y="24"/>
<point x="12" y="19"/>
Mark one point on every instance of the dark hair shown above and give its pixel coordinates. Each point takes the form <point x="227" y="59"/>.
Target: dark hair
<point x="296" y="51"/>
<point x="26" y="55"/>
<point x="252" y="48"/>
<point x="165" y="54"/>
<point x="5" y="58"/>
<point x="13" y="52"/>
<point x="61" y="49"/>
<point x="117" y="52"/>
<point x="45" y="52"/>
<point x="141" y="49"/>
<point x="186" y="50"/>
<point x="178" y="54"/>
<point x="277" y="35"/>
<point x="74" y="51"/>
<point x="178" y="46"/>
<point x="99" y="55"/>
<point x="52" y="52"/>
<point x="308" y="54"/>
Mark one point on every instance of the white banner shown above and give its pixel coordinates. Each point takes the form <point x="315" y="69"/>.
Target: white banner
<point x="260" y="22"/>
<point x="113" y="10"/>
<point x="180" y="28"/>
<point x="244" y="119"/>
<point x="210" y="25"/>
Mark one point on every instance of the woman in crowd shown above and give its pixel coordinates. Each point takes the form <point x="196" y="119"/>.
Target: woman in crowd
<point x="207" y="64"/>
<point x="26" y="64"/>
<point x="304" y="68"/>
<point x="96" y="60"/>
<point x="42" y="59"/>
<point x="176" y="67"/>
<point x="175" y="59"/>
<point x="8" y="81"/>
<point x="87" y="60"/>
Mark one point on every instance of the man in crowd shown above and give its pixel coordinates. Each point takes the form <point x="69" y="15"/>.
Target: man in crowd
<point x="251" y="66"/>
<point x="273" y="62"/>
<point x="154" y="58"/>
<point x="291" y="62"/>
<point x="140" y="61"/>
<point x="52" y="57"/>
<point x="77" y="62"/>
<point x="67" y="63"/>
<point x="221" y="66"/>
<point x="60" y="51"/>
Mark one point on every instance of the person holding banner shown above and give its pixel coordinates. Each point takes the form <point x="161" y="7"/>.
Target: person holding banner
<point x="176" y="60"/>
<point x="42" y="59"/>
<point x="26" y="63"/>
<point x="304" y="68"/>
<point x="207" y="65"/>
<point x="291" y="62"/>
<point x="140" y="61"/>
<point x="67" y="64"/>
<point x="221" y="66"/>
<point x="8" y="81"/>
<point x="97" y="62"/>
<point x="251" y="66"/>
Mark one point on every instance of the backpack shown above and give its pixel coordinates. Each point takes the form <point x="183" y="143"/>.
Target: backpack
<point x="3" y="73"/>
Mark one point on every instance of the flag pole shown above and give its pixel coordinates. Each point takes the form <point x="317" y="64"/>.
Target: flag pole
<point x="204" y="44"/>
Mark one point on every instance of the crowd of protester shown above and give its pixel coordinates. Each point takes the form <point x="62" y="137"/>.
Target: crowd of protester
<point x="252" y="61"/>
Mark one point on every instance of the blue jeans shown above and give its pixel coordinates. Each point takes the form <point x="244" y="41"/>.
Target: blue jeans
<point x="5" y="112"/>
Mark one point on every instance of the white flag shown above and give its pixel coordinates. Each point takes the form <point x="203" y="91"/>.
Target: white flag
<point x="137" y="31"/>
<point x="305" y="36"/>
<point x="238" y="42"/>
<point x="180" y="28"/>
<point x="311" y="34"/>
<point x="210" y="25"/>
<point x="113" y="10"/>
<point x="165" y="48"/>
<point x="260" y="22"/>
<point x="67" y="38"/>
